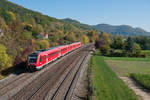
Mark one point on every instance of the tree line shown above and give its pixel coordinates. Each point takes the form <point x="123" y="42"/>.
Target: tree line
<point x="122" y="46"/>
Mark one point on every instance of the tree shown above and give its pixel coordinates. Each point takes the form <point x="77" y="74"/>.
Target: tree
<point x="12" y="15"/>
<point x="37" y="29"/>
<point x="85" y="39"/>
<point x="3" y="57"/>
<point x="27" y="35"/>
<point x="129" y="45"/>
<point x="117" y="43"/>
<point x="103" y="43"/>
<point x="137" y="50"/>
<point x="93" y="35"/>
<point x="28" y="27"/>
<point x="7" y="16"/>
<point x="71" y="37"/>
<point x="2" y="24"/>
<point x="143" y="41"/>
<point x="43" y="44"/>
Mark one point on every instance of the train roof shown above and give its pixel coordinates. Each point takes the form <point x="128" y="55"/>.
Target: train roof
<point x="52" y="48"/>
<point x="41" y="50"/>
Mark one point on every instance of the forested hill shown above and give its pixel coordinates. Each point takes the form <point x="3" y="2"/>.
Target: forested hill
<point x="27" y="16"/>
<point x="122" y="29"/>
<point x="78" y="24"/>
<point x="23" y="31"/>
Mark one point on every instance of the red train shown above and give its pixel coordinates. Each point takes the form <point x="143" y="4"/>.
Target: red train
<point x="40" y="58"/>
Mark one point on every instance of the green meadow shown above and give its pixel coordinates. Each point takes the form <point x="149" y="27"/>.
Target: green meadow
<point x="123" y="66"/>
<point x="106" y="84"/>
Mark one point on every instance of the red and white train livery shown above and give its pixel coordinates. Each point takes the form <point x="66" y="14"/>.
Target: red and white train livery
<point x="40" y="58"/>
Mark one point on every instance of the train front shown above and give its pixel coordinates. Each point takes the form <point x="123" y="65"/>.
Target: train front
<point x="32" y="60"/>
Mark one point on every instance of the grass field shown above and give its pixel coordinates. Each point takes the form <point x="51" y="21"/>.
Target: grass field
<point x="106" y="84"/>
<point x="124" y="67"/>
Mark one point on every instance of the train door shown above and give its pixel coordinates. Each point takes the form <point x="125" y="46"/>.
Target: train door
<point x="59" y="53"/>
<point x="41" y="59"/>
<point x="46" y="58"/>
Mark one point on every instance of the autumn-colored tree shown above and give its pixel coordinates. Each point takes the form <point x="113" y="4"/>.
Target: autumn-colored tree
<point x="103" y="43"/>
<point x="3" y="57"/>
<point x="7" y="16"/>
<point x="3" y="24"/>
<point x="27" y="35"/>
<point x="93" y="35"/>
<point x="12" y="15"/>
<point x="43" y="44"/>
<point x="71" y="37"/>
<point x="37" y="29"/>
<point x="85" y="39"/>
<point x="136" y="50"/>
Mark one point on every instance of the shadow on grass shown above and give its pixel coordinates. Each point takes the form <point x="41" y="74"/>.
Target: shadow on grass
<point x="17" y="70"/>
<point x="139" y="85"/>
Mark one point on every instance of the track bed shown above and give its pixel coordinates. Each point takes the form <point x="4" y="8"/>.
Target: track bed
<point x="55" y="83"/>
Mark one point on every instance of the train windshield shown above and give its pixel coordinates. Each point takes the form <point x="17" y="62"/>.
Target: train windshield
<point x="32" y="58"/>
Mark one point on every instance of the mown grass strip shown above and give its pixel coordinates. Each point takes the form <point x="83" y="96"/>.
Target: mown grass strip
<point x="127" y="58"/>
<point x="106" y="84"/>
<point x="143" y="79"/>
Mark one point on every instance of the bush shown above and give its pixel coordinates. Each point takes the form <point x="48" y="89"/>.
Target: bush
<point x="117" y="53"/>
<point x="105" y="50"/>
<point x="97" y="52"/>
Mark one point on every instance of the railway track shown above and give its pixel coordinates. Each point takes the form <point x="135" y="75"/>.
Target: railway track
<point x="39" y="93"/>
<point x="14" y="83"/>
<point x="57" y="76"/>
<point x="63" y="91"/>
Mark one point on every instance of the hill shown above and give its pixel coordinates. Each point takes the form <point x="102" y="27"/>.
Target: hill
<point x="122" y="30"/>
<point x="23" y="31"/>
<point x="78" y="24"/>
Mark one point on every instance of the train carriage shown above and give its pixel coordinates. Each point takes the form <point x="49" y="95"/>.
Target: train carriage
<point x="39" y="58"/>
<point x="63" y="49"/>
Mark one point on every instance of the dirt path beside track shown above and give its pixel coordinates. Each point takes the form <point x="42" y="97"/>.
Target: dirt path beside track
<point x="143" y="94"/>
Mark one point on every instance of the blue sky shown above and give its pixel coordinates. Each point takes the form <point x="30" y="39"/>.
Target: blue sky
<point x="116" y="12"/>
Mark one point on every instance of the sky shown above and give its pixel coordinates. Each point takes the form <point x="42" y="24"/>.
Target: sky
<point x="115" y="12"/>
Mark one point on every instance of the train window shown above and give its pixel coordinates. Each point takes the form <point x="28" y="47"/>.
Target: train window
<point x="54" y="53"/>
<point x="32" y="58"/>
<point x="44" y="57"/>
<point x="40" y="59"/>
